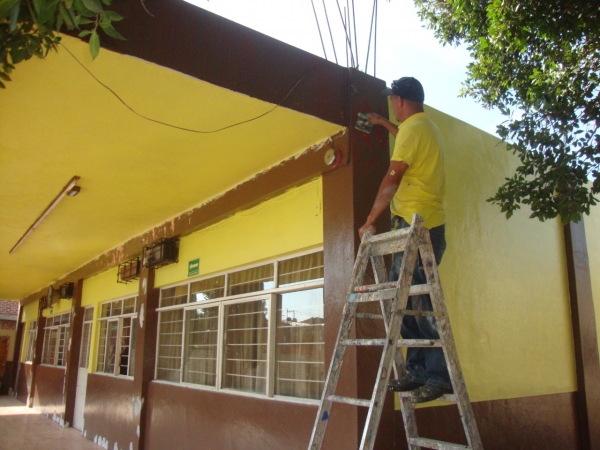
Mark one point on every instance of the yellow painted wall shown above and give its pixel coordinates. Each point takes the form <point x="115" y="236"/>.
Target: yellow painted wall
<point x="592" y="236"/>
<point x="287" y="223"/>
<point x="504" y="280"/>
<point x="98" y="289"/>
<point x="64" y="305"/>
<point x="30" y="312"/>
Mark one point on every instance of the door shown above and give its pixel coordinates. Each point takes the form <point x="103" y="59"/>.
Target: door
<point x="82" y="371"/>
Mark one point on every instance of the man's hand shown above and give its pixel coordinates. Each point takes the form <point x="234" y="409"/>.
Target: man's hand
<point x="366" y="227"/>
<point x="375" y="119"/>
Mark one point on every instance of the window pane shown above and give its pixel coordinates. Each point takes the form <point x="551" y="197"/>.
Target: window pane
<point x="52" y="346"/>
<point x="300" y="357"/>
<point x="207" y="289"/>
<point x="84" y="356"/>
<point x="200" y="360"/>
<point x="62" y="347"/>
<point x="125" y="343"/>
<point x="88" y="315"/>
<point x="132" y="340"/>
<point x="65" y="318"/>
<point x="117" y="308"/>
<point x="105" y="310"/>
<point x="173" y="296"/>
<point x="101" y="346"/>
<point x="246" y="346"/>
<point x="301" y="269"/>
<point x="251" y="280"/>
<point x="111" y="347"/>
<point x="46" y="353"/>
<point x="129" y="305"/>
<point x="169" y="346"/>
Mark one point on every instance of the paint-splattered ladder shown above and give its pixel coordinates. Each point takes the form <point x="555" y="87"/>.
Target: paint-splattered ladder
<point x="393" y="298"/>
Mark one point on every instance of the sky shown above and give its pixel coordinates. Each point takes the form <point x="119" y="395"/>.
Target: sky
<point x="404" y="46"/>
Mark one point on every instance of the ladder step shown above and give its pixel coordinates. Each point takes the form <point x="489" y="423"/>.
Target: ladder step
<point x="438" y="445"/>
<point x="450" y="398"/>
<point x="385" y="293"/>
<point x="349" y="400"/>
<point x="388" y="243"/>
<point x="368" y="316"/>
<point x="401" y="342"/>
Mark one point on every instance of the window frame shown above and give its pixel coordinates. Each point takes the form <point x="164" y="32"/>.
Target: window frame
<point x="271" y="295"/>
<point x="119" y="319"/>
<point x="60" y="328"/>
<point x="31" y="338"/>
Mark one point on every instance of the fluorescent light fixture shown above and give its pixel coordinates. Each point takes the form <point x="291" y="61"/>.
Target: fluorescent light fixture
<point x="70" y="189"/>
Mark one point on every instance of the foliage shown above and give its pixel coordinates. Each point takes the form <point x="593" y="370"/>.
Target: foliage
<point x="538" y="61"/>
<point x="29" y="27"/>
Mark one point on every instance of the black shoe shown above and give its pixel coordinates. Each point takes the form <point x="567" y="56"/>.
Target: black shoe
<point x="428" y="393"/>
<point x="403" y="385"/>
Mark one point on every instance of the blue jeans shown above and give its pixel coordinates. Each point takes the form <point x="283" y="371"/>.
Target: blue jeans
<point x="423" y="365"/>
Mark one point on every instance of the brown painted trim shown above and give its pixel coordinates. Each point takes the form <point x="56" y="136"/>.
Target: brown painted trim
<point x="541" y="422"/>
<point x="17" y="352"/>
<point x="585" y="336"/>
<point x="72" y="369"/>
<point x="292" y="172"/>
<point x="190" y="40"/>
<point x="145" y="352"/>
<point x="37" y="359"/>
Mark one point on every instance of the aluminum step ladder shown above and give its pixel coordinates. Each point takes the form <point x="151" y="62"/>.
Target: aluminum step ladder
<point x="393" y="298"/>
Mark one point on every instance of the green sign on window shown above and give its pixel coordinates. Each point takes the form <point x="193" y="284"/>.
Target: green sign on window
<point x="193" y="267"/>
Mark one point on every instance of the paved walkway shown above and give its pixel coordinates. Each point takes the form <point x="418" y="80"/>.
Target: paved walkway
<point x="23" y="428"/>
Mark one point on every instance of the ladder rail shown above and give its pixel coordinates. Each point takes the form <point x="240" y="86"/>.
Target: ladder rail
<point x="448" y="343"/>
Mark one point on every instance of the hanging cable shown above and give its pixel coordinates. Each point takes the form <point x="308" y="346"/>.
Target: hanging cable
<point x="346" y="31"/>
<point x="344" y="23"/>
<point x="355" y="36"/>
<point x="175" y="126"/>
<point x="370" y="34"/>
<point x="330" y="34"/>
<point x="319" y="28"/>
<point x="375" y="46"/>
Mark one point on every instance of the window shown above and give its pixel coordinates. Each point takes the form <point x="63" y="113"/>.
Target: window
<point x="117" y="333"/>
<point x="56" y="336"/>
<point x="31" y="337"/>
<point x="256" y="330"/>
<point x="84" y="354"/>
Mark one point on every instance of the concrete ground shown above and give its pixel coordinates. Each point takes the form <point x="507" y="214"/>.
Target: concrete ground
<point x="23" y="428"/>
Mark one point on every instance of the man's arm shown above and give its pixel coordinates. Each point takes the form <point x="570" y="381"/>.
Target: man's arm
<point x="387" y="189"/>
<point x="376" y="119"/>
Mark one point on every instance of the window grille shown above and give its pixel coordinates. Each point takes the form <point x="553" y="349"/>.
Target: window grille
<point x="56" y="336"/>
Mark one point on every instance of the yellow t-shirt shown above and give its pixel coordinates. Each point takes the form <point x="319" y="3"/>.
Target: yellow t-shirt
<point x="419" y="144"/>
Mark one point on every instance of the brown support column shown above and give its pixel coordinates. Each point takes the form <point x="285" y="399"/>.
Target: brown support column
<point x="348" y="194"/>
<point x="37" y="358"/>
<point x="584" y="335"/>
<point x="17" y="353"/>
<point x="72" y="369"/>
<point x="145" y="351"/>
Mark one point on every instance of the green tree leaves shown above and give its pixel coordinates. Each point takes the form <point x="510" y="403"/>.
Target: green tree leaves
<point x="538" y="61"/>
<point x="29" y="27"/>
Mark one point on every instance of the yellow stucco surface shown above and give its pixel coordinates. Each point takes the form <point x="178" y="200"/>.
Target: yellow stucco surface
<point x="135" y="174"/>
<point x="64" y="305"/>
<point x="30" y="311"/>
<point x="287" y="223"/>
<point x="504" y="281"/>
<point x="592" y="236"/>
<point x="98" y="289"/>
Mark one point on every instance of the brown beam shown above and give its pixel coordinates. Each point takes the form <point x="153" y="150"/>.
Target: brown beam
<point x="585" y="337"/>
<point x="72" y="369"/>
<point x="17" y="352"/>
<point x="145" y="351"/>
<point x="37" y="358"/>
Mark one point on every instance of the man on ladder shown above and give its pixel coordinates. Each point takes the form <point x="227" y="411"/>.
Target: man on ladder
<point x="415" y="183"/>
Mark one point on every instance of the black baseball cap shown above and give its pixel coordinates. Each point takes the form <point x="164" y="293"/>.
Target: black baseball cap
<point x="409" y="88"/>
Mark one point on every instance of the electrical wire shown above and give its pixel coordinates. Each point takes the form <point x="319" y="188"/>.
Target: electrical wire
<point x="175" y="126"/>
<point x="346" y="31"/>
<point x="375" y="45"/>
<point x="330" y="34"/>
<point x="370" y="34"/>
<point x="319" y="28"/>
<point x="355" y="36"/>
